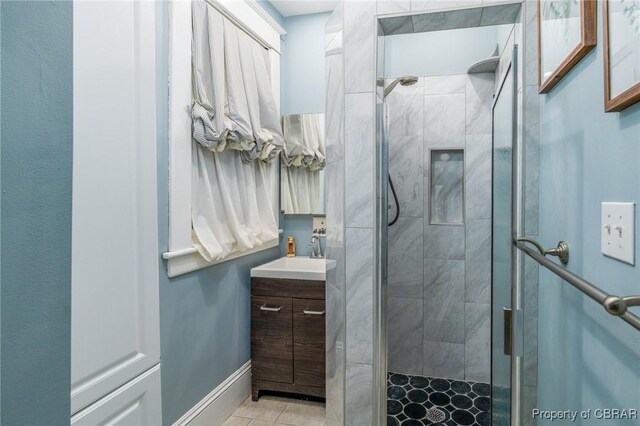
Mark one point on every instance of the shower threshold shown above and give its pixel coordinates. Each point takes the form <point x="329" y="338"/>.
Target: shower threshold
<point x="418" y="400"/>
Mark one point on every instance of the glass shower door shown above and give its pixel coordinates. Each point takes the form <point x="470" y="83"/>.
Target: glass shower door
<point x="504" y="138"/>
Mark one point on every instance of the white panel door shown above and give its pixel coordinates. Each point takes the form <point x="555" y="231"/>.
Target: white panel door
<point x="134" y="404"/>
<point x="115" y="326"/>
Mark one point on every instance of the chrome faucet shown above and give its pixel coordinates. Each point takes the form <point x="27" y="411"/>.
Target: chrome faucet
<point x="316" y="248"/>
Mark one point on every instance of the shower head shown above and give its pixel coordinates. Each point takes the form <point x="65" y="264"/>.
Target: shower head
<point x="407" y="80"/>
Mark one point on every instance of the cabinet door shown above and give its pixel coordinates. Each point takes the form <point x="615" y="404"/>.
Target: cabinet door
<point x="271" y="339"/>
<point x="136" y="403"/>
<point x="309" y="342"/>
<point x="114" y="327"/>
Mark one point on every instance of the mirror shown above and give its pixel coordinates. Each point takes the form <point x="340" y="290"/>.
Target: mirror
<point x="302" y="164"/>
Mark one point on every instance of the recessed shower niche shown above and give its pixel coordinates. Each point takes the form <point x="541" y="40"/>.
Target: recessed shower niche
<point x="446" y="189"/>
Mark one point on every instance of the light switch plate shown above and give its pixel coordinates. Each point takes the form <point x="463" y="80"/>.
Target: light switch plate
<point x="618" y="231"/>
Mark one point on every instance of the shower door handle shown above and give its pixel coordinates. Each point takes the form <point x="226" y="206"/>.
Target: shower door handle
<point x="507" y="317"/>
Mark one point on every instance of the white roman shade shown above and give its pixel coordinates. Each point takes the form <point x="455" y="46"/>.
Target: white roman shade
<point x="304" y="144"/>
<point x="233" y="105"/>
<point x="303" y="158"/>
<point x="237" y="133"/>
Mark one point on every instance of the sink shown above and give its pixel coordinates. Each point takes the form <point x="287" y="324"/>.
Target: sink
<point x="295" y="268"/>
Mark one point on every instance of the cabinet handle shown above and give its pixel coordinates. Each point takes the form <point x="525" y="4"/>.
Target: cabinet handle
<point x="308" y="312"/>
<point x="268" y="309"/>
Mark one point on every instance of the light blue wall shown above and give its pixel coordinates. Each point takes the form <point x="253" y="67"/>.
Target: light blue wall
<point x="37" y="144"/>
<point x="300" y="227"/>
<point x="441" y="52"/>
<point x="205" y="315"/>
<point x="302" y="78"/>
<point x="587" y="359"/>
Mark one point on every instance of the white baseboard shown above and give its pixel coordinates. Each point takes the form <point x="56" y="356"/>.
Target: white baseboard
<point x="216" y="407"/>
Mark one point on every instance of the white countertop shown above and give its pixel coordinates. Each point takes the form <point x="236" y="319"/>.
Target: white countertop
<point x="296" y="268"/>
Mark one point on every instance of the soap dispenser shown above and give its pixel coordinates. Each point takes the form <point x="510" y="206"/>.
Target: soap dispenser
<point x="291" y="247"/>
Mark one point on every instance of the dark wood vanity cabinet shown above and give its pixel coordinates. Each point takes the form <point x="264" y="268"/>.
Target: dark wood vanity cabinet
<point x="287" y="336"/>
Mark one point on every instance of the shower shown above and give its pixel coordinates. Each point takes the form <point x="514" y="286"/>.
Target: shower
<point x="407" y="80"/>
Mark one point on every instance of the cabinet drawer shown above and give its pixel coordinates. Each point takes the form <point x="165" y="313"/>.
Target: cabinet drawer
<point x="309" y="342"/>
<point x="271" y="339"/>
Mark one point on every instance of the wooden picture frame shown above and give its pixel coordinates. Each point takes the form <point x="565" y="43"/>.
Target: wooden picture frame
<point x="627" y="97"/>
<point x="588" y="39"/>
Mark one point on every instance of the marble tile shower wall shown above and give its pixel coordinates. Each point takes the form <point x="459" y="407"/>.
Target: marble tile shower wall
<point x="350" y="209"/>
<point x="439" y="275"/>
<point x="335" y="285"/>
<point x="530" y="138"/>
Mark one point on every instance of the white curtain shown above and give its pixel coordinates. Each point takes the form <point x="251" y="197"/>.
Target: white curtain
<point x="228" y="218"/>
<point x="234" y="105"/>
<point x="237" y="134"/>
<point x="303" y="159"/>
<point x="302" y="191"/>
<point x="304" y="141"/>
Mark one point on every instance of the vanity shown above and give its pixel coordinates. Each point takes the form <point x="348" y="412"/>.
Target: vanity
<point x="288" y="326"/>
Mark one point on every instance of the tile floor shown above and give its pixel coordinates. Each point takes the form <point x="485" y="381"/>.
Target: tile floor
<point x="417" y="400"/>
<point x="272" y="410"/>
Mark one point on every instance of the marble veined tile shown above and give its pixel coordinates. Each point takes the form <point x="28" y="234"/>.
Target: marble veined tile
<point x="443" y="289"/>
<point x="478" y="177"/>
<point x="443" y="241"/>
<point x="500" y="14"/>
<point x="444" y="121"/>
<point x="359" y="283"/>
<point x="397" y="25"/>
<point x="530" y="402"/>
<point x="445" y="20"/>
<point x="404" y="325"/>
<point x="335" y="331"/>
<point x="334" y="80"/>
<point x="405" y="112"/>
<point x="478" y="261"/>
<point x="335" y="184"/>
<point x="445" y="360"/>
<point x="393" y="6"/>
<point x="532" y="160"/>
<point x="530" y="356"/>
<point x="405" y="169"/>
<point x="359" y="394"/>
<point x="405" y="258"/>
<point x="479" y="96"/>
<point x="359" y="27"/>
<point x="359" y="159"/>
<point x="449" y="330"/>
<point x="477" y="361"/>
<point x="334" y="21"/>
<point x="530" y="370"/>
<point x="530" y="36"/>
<point x="434" y="5"/>
<point x="444" y="85"/>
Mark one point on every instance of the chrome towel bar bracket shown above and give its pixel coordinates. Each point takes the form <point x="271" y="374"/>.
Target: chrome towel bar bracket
<point x="617" y="305"/>
<point x="614" y="305"/>
<point x="561" y="251"/>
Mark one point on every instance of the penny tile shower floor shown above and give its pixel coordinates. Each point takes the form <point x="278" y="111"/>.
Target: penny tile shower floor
<point x="417" y="400"/>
